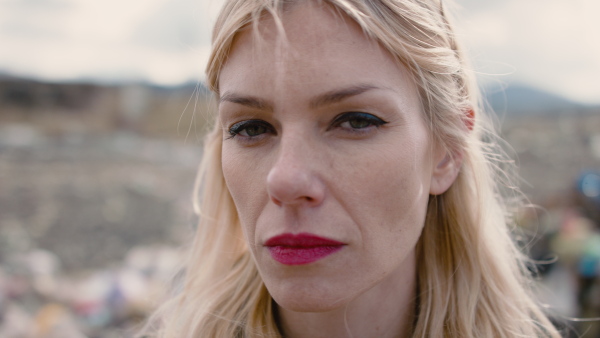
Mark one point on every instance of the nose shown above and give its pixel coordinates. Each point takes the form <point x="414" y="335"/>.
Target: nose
<point x="294" y="180"/>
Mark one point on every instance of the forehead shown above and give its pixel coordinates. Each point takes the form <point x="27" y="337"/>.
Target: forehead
<point x="316" y="48"/>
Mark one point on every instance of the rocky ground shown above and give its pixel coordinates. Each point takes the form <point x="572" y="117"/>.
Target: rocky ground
<point x="95" y="200"/>
<point x="89" y="226"/>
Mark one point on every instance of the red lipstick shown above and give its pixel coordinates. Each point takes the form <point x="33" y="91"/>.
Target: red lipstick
<point x="303" y="248"/>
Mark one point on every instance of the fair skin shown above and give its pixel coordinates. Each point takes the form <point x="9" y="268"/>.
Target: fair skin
<point x="324" y="134"/>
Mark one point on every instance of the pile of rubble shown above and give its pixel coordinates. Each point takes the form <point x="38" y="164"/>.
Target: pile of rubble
<point x="89" y="224"/>
<point x="38" y="300"/>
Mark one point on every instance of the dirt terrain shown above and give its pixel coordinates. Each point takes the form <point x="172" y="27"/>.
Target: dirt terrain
<point x="96" y="188"/>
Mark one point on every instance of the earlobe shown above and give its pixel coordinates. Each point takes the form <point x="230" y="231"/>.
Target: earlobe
<point x="445" y="173"/>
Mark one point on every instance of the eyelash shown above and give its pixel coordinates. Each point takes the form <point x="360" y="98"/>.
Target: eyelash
<point x="239" y="127"/>
<point x="371" y="120"/>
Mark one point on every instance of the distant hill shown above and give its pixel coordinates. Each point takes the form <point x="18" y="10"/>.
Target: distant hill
<point x="513" y="100"/>
<point x="518" y="100"/>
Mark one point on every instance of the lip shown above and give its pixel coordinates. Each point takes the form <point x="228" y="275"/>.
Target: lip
<point x="302" y="248"/>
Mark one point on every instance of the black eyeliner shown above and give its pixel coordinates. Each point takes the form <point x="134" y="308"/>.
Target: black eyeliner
<point x="344" y="117"/>
<point x="238" y="127"/>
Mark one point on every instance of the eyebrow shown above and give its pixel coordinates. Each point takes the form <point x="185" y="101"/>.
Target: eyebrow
<point x="248" y="101"/>
<point x="339" y="95"/>
<point x="327" y="98"/>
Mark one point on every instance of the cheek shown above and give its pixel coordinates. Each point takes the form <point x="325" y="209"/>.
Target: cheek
<point x="389" y="191"/>
<point x="398" y="194"/>
<point x="245" y="182"/>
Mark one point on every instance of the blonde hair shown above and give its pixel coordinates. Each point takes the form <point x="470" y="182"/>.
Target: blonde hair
<point x="472" y="279"/>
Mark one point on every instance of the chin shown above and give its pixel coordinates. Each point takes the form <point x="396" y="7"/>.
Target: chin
<point x="307" y="297"/>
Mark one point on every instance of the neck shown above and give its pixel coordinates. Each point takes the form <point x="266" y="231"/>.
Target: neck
<point x="386" y="310"/>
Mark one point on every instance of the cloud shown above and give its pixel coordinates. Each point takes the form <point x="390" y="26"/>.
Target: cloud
<point x="551" y="44"/>
<point x="176" y="24"/>
<point x="162" y="41"/>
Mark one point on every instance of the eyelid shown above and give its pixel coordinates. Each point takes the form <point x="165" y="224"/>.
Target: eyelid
<point x="236" y="128"/>
<point x="344" y="117"/>
<point x="249" y="121"/>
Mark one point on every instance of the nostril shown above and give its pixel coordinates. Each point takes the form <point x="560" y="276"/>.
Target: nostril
<point x="276" y="201"/>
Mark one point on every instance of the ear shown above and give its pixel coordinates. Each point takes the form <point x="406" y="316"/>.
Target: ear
<point x="469" y="119"/>
<point x="445" y="173"/>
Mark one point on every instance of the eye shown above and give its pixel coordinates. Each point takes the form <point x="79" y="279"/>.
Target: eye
<point x="356" y="121"/>
<point x="250" y="129"/>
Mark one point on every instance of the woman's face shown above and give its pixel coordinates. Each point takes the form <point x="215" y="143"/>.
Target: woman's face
<point x="327" y="158"/>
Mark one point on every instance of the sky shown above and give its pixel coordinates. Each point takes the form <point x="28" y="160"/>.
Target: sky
<point x="553" y="45"/>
